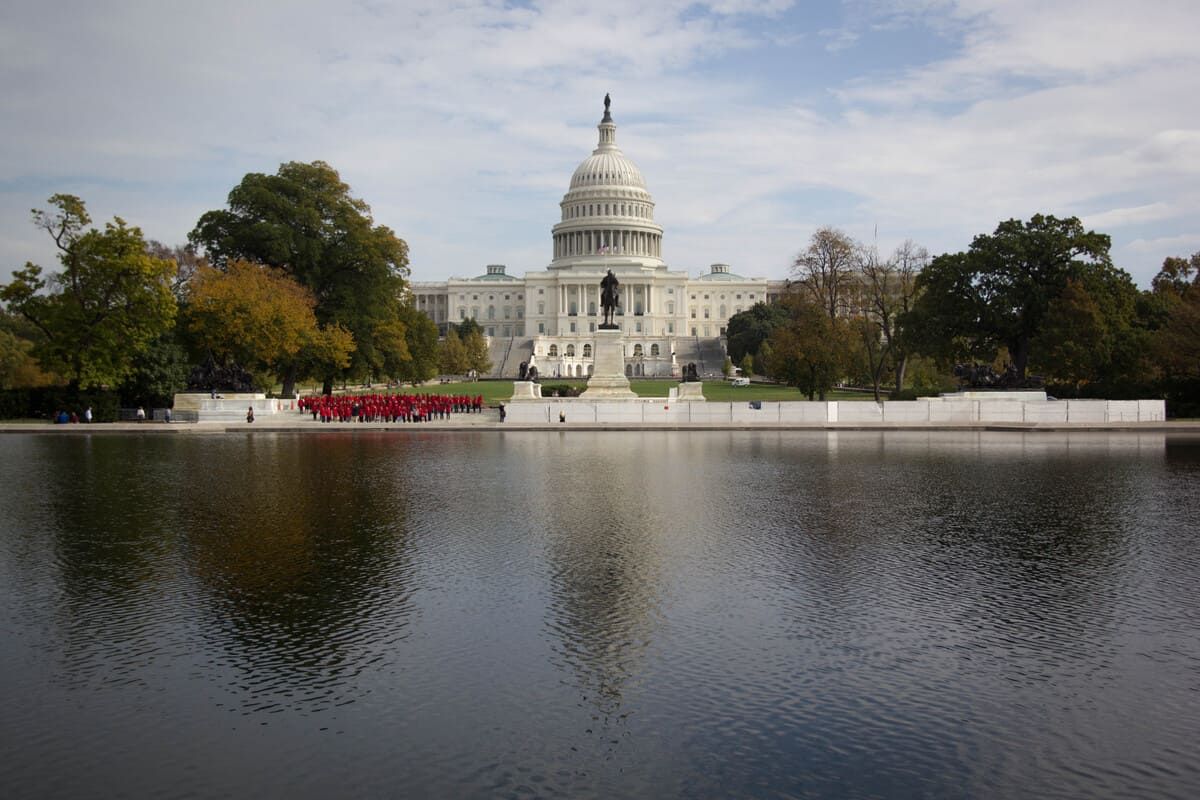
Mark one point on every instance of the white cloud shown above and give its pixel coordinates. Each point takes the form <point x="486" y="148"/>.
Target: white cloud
<point x="460" y="124"/>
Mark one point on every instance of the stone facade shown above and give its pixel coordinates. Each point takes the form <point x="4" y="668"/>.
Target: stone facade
<point x="551" y="316"/>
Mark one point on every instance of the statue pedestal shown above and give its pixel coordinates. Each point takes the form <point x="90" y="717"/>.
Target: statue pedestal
<point x="608" y="381"/>
<point x="526" y="390"/>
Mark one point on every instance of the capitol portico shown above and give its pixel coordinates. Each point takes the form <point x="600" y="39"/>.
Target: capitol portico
<point x="549" y="318"/>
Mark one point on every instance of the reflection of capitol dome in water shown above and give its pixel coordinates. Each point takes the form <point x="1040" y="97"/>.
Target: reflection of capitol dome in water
<point x="607" y="211"/>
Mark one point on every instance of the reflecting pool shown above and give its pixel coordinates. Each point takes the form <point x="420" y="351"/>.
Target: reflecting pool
<point x="600" y="614"/>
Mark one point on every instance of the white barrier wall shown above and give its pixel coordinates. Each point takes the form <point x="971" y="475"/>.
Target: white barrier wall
<point x="1046" y="412"/>
<point x="1001" y="410"/>
<point x="1086" y="410"/>
<point x="1152" y="410"/>
<point x="804" y="413"/>
<point x="917" y="413"/>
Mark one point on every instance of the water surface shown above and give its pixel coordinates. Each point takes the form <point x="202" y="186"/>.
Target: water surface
<point x="740" y="614"/>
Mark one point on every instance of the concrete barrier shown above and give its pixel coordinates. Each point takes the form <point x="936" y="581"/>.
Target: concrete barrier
<point x="1080" y="411"/>
<point x="1000" y="411"/>
<point x="944" y="411"/>
<point x="906" y="411"/>
<point x="859" y="411"/>
<point x="1052" y="411"/>
<point x="916" y="413"/>
<point x="1121" y="411"/>
<point x="748" y="414"/>
<point x="1152" y="410"/>
<point x="804" y="412"/>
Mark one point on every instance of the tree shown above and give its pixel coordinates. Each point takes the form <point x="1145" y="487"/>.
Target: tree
<point x="421" y="337"/>
<point x="891" y="290"/>
<point x="1072" y="345"/>
<point x="467" y="327"/>
<point x="727" y="367"/>
<point x="748" y="329"/>
<point x="478" y="358"/>
<point x="747" y="365"/>
<point x="1178" y="343"/>
<point x="187" y="261"/>
<point x="158" y="373"/>
<point x="825" y="270"/>
<point x="1177" y="275"/>
<point x="303" y="220"/>
<point x="108" y="304"/>
<point x="263" y="320"/>
<point x="998" y="293"/>
<point x="18" y="367"/>
<point x="811" y="350"/>
<point x="452" y="356"/>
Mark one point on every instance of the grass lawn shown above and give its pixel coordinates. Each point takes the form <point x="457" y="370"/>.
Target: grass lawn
<point x="725" y="392"/>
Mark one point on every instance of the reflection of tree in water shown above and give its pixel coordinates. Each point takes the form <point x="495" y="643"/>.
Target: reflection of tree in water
<point x="604" y="589"/>
<point x="299" y="544"/>
<point x="294" y="543"/>
<point x="114" y="545"/>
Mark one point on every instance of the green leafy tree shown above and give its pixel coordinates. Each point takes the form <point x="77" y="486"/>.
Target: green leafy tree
<point x="1175" y="341"/>
<point x="1073" y="344"/>
<point x="727" y="367"/>
<point x="421" y="337"/>
<point x="998" y="293"/>
<point x="108" y="304"/>
<point x="811" y="351"/>
<point x="452" y="355"/>
<point x="304" y="221"/>
<point x="158" y="373"/>
<point x="467" y="327"/>
<point x="478" y="358"/>
<point x="747" y="365"/>
<point x="748" y="329"/>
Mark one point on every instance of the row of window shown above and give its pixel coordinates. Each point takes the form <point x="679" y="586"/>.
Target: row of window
<point x="491" y="312"/>
<point x="639" y="210"/>
<point x="722" y="297"/>
<point x="708" y="312"/>
<point x="569" y="351"/>
<point x="637" y="328"/>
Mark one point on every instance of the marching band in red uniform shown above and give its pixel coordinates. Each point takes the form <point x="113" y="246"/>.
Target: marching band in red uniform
<point x="388" y="407"/>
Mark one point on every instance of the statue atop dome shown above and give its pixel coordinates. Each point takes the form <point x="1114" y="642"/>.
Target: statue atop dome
<point x="607" y="103"/>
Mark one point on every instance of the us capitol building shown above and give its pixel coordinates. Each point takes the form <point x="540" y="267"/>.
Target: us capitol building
<point x="549" y="317"/>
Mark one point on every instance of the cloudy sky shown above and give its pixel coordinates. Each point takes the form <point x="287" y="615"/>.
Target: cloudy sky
<point x="753" y="121"/>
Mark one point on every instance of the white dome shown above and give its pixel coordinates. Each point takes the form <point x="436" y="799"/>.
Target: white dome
<point x="607" y="167"/>
<point x="607" y="211"/>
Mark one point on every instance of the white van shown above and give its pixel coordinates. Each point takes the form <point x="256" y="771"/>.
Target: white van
<point x="740" y="381"/>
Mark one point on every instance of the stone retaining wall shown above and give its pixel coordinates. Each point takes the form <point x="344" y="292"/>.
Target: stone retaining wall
<point x="923" y="412"/>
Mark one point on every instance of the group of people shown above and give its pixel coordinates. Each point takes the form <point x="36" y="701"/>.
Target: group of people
<point x="388" y="407"/>
<point x="62" y="417"/>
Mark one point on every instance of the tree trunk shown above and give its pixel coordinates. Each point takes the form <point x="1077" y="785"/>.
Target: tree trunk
<point x="288" y="379"/>
<point x="901" y="368"/>
<point x="1020" y="356"/>
<point x="327" y="386"/>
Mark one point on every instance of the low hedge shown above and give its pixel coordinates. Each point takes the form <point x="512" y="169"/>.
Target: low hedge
<point x="44" y="401"/>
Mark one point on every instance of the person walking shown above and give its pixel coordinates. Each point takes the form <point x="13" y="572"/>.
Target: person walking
<point x="87" y="415"/>
<point x="250" y="414"/>
<point x="141" y="414"/>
